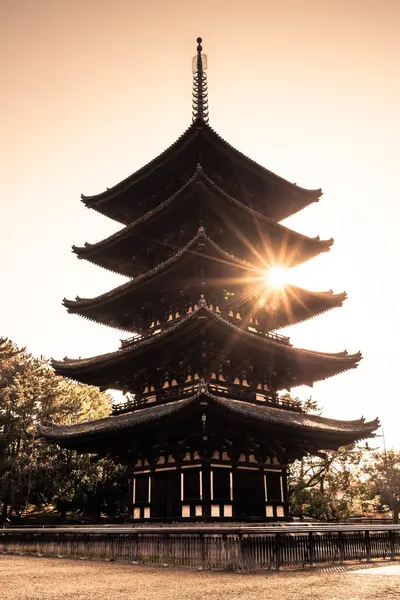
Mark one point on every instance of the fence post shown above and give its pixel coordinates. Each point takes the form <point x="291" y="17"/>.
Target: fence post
<point x="241" y="552"/>
<point x="310" y="548"/>
<point x="341" y="547"/>
<point x="168" y="548"/>
<point x="391" y="542"/>
<point x="203" y="551"/>
<point x="368" y="546"/>
<point x="278" y="549"/>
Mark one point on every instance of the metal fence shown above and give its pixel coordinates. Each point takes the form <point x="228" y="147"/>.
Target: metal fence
<point x="235" y="548"/>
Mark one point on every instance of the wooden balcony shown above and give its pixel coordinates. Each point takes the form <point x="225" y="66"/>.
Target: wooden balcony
<point x="165" y="325"/>
<point x="233" y="391"/>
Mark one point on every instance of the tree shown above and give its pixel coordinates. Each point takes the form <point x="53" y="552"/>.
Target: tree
<point x="16" y="404"/>
<point x="382" y="485"/>
<point x="326" y="486"/>
<point x="30" y="393"/>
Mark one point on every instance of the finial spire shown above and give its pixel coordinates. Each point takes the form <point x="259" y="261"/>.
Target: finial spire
<point x="200" y="90"/>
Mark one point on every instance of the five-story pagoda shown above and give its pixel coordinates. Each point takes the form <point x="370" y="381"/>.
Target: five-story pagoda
<point x="204" y="433"/>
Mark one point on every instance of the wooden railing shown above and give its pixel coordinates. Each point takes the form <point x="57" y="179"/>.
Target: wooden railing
<point x="230" y="547"/>
<point x="164" y="325"/>
<point x="235" y="392"/>
<point x="175" y="392"/>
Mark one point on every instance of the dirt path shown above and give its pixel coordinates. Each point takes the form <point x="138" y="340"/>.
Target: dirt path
<point x="26" y="578"/>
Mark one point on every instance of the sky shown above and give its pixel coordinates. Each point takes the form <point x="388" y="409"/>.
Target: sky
<point x="94" y="89"/>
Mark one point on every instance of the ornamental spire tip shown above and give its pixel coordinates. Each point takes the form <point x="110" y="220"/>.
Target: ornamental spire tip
<point x="200" y="91"/>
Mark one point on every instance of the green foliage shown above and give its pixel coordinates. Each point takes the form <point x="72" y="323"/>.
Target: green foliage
<point x="34" y="471"/>
<point x="382" y="487"/>
<point x="350" y="481"/>
<point x="326" y="487"/>
<point x="311" y="406"/>
<point x="313" y="503"/>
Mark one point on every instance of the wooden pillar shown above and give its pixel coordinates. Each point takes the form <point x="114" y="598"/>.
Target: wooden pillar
<point x="206" y="490"/>
<point x="131" y="498"/>
<point x="285" y="490"/>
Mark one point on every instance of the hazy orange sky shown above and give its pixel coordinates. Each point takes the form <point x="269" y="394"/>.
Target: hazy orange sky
<point x="93" y="89"/>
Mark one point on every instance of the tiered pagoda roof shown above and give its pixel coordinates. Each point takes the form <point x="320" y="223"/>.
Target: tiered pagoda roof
<point x="297" y="430"/>
<point x="202" y="265"/>
<point x="203" y="330"/>
<point x="201" y="233"/>
<point x="233" y="172"/>
<point x="145" y="241"/>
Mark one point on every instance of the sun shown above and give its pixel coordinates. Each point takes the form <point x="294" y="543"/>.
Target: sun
<point x="277" y="277"/>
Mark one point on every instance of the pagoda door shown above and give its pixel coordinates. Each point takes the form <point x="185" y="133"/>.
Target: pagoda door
<point x="166" y="495"/>
<point x="248" y="494"/>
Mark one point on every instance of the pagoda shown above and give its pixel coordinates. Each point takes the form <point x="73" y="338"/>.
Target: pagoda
<point x="204" y="432"/>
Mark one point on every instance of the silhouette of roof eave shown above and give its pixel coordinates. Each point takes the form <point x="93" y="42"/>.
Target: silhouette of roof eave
<point x="199" y="175"/>
<point x="196" y="129"/>
<point x="263" y="414"/>
<point x="63" y="367"/>
<point x="212" y="249"/>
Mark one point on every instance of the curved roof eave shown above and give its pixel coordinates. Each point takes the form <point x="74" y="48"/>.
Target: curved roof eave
<point x="139" y="417"/>
<point x="202" y="176"/>
<point x="185" y="138"/>
<point x="336" y="302"/>
<point x="129" y="285"/>
<point x="263" y="170"/>
<point x="257" y="412"/>
<point x="123" y="288"/>
<point x="292" y="418"/>
<point x="348" y="361"/>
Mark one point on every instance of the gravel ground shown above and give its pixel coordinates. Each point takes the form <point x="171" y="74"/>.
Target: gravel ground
<point x="29" y="578"/>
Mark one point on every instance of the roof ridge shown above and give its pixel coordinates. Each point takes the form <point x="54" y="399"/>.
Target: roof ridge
<point x="259" y="215"/>
<point x="98" y="197"/>
<point x="143" y="217"/>
<point x="264" y="169"/>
